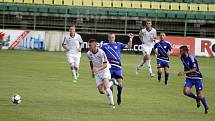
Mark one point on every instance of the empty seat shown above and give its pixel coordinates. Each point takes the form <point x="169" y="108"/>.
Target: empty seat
<point x="171" y="14"/>
<point x="174" y="6"/>
<point x="23" y="8"/>
<point x="126" y="4"/>
<point x="211" y="7"/>
<point x="161" y="14"/>
<point x="38" y="1"/>
<point x="136" y="4"/>
<point x="28" y="1"/>
<point x="8" y="1"/>
<point x="155" y="5"/>
<point x="190" y="15"/>
<point x="53" y="9"/>
<point x="3" y="7"/>
<point x="152" y="14"/>
<point x="43" y="9"/>
<point x="146" y="4"/>
<point x="132" y="13"/>
<point x="58" y="2"/>
<point x="203" y="7"/>
<point x="183" y="6"/>
<point x="32" y="8"/>
<point x="200" y="16"/>
<point x="165" y="5"/>
<point x="18" y="1"/>
<point x="87" y="3"/>
<point x="112" y="12"/>
<point x="62" y="10"/>
<point x="68" y="2"/>
<point x="106" y="3"/>
<point x="48" y="2"/>
<point x="210" y="16"/>
<point x="73" y="11"/>
<point x="193" y="7"/>
<point x="181" y="15"/>
<point x="116" y="4"/>
<point x="97" y="3"/>
<point x="77" y="2"/>
<point x="12" y="7"/>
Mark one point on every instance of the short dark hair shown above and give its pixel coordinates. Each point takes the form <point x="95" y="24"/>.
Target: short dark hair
<point x="92" y="40"/>
<point x="184" y="48"/>
<point x="162" y="33"/>
<point x="72" y="25"/>
<point x="148" y="20"/>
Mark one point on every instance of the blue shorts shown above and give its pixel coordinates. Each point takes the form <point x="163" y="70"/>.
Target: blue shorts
<point x="197" y="82"/>
<point x="162" y="64"/>
<point x="116" y="73"/>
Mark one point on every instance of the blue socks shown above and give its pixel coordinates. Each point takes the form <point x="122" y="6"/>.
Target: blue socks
<point x="159" y="76"/>
<point x="204" y="103"/>
<point x="119" y="89"/>
<point x="192" y="95"/>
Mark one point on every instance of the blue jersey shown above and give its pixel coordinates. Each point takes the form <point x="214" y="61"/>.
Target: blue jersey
<point x="113" y="53"/>
<point x="189" y="63"/>
<point x="162" y="48"/>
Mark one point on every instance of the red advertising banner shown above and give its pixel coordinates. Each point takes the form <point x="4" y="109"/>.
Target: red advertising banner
<point x="177" y="42"/>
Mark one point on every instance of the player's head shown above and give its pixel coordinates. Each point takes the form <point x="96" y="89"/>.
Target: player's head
<point x="148" y="23"/>
<point x="72" y="29"/>
<point x="184" y="51"/>
<point x="92" y="44"/>
<point x="111" y="37"/>
<point x="162" y="36"/>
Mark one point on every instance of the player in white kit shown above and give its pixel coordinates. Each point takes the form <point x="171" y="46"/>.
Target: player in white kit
<point x="72" y="44"/>
<point x="100" y="70"/>
<point x="147" y="37"/>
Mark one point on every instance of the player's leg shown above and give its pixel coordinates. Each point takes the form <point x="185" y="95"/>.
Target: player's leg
<point x="143" y="60"/>
<point x="108" y="91"/>
<point x="159" y="68"/>
<point x="187" y="89"/>
<point x="77" y="63"/>
<point x="199" y="88"/>
<point x="72" y="66"/>
<point x="148" y="61"/>
<point x="119" y="77"/>
<point x="166" y="70"/>
<point x="101" y="89"/>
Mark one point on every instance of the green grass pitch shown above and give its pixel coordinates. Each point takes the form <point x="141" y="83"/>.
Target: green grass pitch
<point x="43" y="79"/>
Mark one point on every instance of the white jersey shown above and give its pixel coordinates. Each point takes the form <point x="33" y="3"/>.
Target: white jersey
<point x="98" y="58"/>
<point x="73" y="44"/>
<point x="148" y="36"/>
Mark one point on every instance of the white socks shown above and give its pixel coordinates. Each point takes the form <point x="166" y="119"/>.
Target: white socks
<point x="110" y="83"/>
<point x="140" y="64"/>
<point x="148" y="65"/>
<point x="74" y="74"/>
<point x="110" y="96"/>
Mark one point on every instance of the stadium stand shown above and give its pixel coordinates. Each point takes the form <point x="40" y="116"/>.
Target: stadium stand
<point x="163" y="10"/>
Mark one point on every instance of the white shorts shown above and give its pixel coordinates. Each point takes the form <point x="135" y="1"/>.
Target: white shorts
<point x="73" y="60"/>
<point x="100" y="76"/>
<point x="146" y="49"/>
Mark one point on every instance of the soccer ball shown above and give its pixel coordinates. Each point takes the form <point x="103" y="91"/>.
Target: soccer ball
<point x="16" y="99"/>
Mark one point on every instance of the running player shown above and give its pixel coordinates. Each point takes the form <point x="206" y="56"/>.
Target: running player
<point x="147" y="37"/>
<point x="72" y="44"/>
<point x="162" y="50"/>
<point x="100" y="70"/>
<point x="113" y="52"/>
<point x="193" y="77"/>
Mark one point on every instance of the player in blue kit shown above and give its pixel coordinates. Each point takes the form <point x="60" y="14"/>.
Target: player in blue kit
<point x="113" y="52"/>
<point x="162" y="50"/>
<point x="193" y="77"/>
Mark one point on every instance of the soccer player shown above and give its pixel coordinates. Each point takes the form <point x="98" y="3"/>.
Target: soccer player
<point x="72" y="44"/>
<point x="113" y="50"/>
<point x="193" y="77"/>
<point x="147" y="37"/>
<point x="100" y="70"/>
<point x="162" y="50"/>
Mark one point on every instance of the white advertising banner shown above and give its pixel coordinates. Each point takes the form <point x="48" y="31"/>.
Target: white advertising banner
<point x="205" y="47"/>
<point x="22" y="39"/>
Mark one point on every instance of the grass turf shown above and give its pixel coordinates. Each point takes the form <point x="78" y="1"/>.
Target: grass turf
<point x="43" y="79"/>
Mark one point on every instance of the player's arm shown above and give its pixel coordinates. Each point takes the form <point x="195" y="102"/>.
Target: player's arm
<point x="102" y="67"/>
<point x="81" y="44"/>
<point x="64" y="44"/>
<point x="193" y="69"/>
<point x="129" y="45"/>
<point x="141" y="36"/>
<point x="156" y="50"/>
<point x="91" y="67"/>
